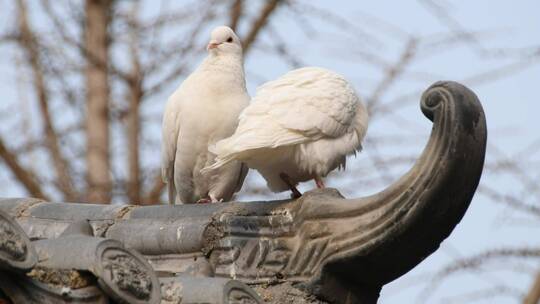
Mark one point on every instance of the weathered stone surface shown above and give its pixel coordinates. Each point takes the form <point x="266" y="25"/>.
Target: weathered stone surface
<point x="16" y="251"/>
<point x="128" y="275"/>
<point x="23" y="289"/>
<point x="286" y="293"/>
<point x="192" y="290"/>
<point x="71" y="278"/>
<point x="12" y="243"/>
<point x="320" y="248"/>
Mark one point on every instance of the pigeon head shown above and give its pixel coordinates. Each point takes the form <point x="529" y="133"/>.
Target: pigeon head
<point x="223" y="40"/>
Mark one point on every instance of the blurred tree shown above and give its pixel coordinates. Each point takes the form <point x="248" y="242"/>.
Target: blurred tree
<point x="83" y="50"/>
<point x="96" y="47"/>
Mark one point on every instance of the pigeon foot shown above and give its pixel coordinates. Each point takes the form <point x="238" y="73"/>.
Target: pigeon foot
<point x="319" y="182"/>
<point x="205" y="200"/>
<point x="287" y="180"/>
<point x="215" y="200"/>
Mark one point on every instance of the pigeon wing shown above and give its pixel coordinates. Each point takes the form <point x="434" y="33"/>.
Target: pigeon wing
<point x="170" y="132"/>
<point x="302" y="106"/>
<point x="313" y="101"/>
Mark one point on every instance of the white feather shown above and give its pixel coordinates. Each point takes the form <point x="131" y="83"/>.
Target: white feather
<point x="303" y="124"/>
<point x="202" y="111"/>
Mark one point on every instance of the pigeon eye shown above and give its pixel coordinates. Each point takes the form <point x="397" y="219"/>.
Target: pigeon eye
<point x="229" y="39"/>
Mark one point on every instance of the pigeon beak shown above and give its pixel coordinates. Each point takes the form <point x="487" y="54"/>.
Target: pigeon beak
<point x="212" y="45"/>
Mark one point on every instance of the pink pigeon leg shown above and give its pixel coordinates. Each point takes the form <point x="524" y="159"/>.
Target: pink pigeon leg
<point x="319" y="182"/>
<point x="215" y="200"/>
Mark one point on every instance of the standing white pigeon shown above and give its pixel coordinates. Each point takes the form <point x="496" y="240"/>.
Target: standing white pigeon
<point x="203" y="110"/>
<point x="298" y="127"/>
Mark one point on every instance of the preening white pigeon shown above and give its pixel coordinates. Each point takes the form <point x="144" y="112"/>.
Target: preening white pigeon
<point x="298" y="127"/>
<point x="203" y="110"/>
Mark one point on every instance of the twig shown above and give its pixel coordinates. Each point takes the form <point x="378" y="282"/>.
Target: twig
<point x="155" y="65"/>
<point x="509" y="200"/>
<point x="477" y="79"/>
<point x="281" y="50"/>
<point x="444" y="17"/>
<point x="259" y="23"/>
<point x="533" y="296"/>
<point x="484" y="294"/>
<point x="236" y="13"/>
<point x="24" y="176"/>
<point x="473" y="262"/>
<point x="133" y="189"/>
<point x="92" y="57"/>
<point x="392" y="74"/>
<point x="154" y="194"/>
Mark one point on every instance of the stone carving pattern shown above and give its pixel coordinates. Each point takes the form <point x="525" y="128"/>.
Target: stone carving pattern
<point x="239" y="296"/>
<point x="11" y="243"/>
<point x="293" y="240"/>
<point x="126" y="273"/>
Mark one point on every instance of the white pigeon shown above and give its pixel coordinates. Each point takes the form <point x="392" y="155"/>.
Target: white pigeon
<point x="202" y="111"/>
<point x="298" y="127"/>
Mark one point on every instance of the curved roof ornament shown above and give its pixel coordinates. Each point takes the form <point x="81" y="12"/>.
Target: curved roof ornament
<point x="340" y="250"/>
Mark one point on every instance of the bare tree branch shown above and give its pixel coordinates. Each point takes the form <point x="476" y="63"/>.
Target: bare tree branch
<point x="533" y="296"/>
<point x="236" y="13"/>
<point x="155" y="193"/>
<point x="393" y="73"/>
<point x="445" y="18"/>
<point x="495" y="292"/>
<point x="509" y="200"/>
<point x="474" y="262"/>
<point x="133" y="120"/>
<point x="477" y="79"/>
<point x="24" y="176"/>
<point x="83" y="49"/>
<point x="30" y="45"/>
<point x="183" y="51"/>
<point x="281" y="49"/>
<point x="97" y="101"/>
<point x="259" y="23"/>
<point x="345" y="25"/>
